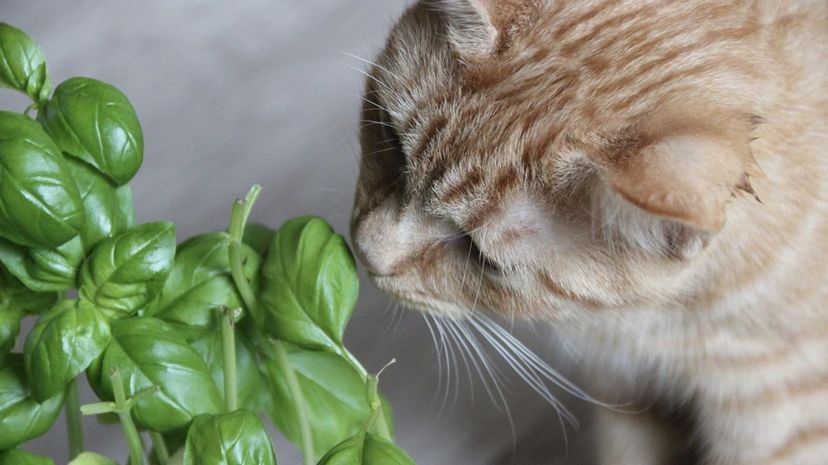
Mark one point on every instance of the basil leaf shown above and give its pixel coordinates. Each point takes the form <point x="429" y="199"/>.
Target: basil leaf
<point x="21" y="417"/>
<point x="22" y="65"/>
<point x="39" y="202"/>
<point x="236" y="438"/>
<point x="62" y="344"/>
<point x="95" y="122"/>
<point x="9" y="327"/>
<point x="200" y="283"/>
<point x="21" y="457"/>
<point x="108" y="210"/>
<point x="127" y="271"/>
<point x="23" y="298"/>
<point x="148" y="352"/>
<point x="252" y="391"/>
<point x="15" y="301"/>
<point x="44" y="270"/>
<point x="366" y="449"/>
<point x="91" y="458"/>
<point x="310" y="285"/>
<point x="334" y="395"/>
<point x="258" y="237"/>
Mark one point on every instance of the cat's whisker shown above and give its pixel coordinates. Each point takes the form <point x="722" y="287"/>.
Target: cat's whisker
<point x="392" y="308"/>
<point x="372" y="63"/>
<point x="436" y="352"/>
<point x="450" y="326"/>
<point x="540" y="366"/>
<point x="369" y="122"/>
<point x="375" y="104"/>
<point x="531" y="379"/>
<point x="551" y="374"/>
<point x="466" y="267"/>
<point x="490" y="370"/>
<point x="493" y="375"/>
<point x="377" y="152"/>
<point x="401" y="313"/>
<point x="377" y="80"/>
<point x="449" y="359"/>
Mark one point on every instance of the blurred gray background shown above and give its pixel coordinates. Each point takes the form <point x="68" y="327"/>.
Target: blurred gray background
<point x="235" y="93"/>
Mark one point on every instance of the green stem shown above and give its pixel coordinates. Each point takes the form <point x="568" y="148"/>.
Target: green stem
<point x="73" y="421"/>
<point x="136" y="446"/>
<point x="376" y="423"/>
<point x="381" y="423"/>
<point x="280" y="356"/>
<point x="160" y="448"/>
<point x="228" y="349"/>
<point x="238" y="220"/>
<point x="349" y="357"/>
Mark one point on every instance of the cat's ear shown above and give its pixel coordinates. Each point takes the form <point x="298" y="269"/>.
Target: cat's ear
<point x="478" y="28"/>
<point x="685" y="172"/>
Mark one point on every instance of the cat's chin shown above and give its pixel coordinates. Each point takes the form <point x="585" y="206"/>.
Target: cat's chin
<point x="419" y="301"/>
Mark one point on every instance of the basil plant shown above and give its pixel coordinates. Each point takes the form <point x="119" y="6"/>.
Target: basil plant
<point x="188" y="346"/>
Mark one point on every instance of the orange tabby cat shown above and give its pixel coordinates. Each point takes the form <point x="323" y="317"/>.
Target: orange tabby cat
<point x="649" y="176"/>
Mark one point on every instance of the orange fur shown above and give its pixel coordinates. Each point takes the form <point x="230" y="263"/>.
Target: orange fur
<point x="606" y="158"/>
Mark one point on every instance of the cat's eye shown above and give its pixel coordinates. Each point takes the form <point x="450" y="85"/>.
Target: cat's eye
<point x="484" y="261"/>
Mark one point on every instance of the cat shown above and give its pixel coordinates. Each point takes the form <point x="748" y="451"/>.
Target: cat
<point x="649" y="177"/>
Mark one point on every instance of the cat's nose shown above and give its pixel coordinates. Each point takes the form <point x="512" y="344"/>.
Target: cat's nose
<point x="378" y="242"/>
<point x="370" y="255"/>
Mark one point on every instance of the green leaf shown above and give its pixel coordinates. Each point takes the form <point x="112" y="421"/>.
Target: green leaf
<point x="108" y="211"/>
<point x="200" y="283"/>
<point x="258" y="237"/>
<point x="9" y="327"/>
<point x="21" y="417"/>
<point x="108" y="208"/>
<point x="252" y="390"/>
<point x="334" y="394"/>
<point x="91" y="458"/>
<point x="23" y="298"/>
<point x="39" y="201"/>
<point x="62" y="344"/>
<point x="21" y="457"/>
<point x="149" y="352"/>
<point x="310" y="285"/>
<point x="95" y="122"/>
<point x="15" y="301"/>
<point x="236" y="438"/>
<point x="44" y="270"/>
<point x="366" y="449"/>
<point x="22" y="65"/>
<point x="127" y="271"/>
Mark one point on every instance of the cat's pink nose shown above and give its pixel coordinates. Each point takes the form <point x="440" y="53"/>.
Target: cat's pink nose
<point x="373" y="254"/>
<point x="376" y="243"/>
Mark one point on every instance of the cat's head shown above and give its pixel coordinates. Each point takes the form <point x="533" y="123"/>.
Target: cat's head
<point x="541" y="158"/>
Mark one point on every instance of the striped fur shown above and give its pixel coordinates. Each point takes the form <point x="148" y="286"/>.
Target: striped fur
<point x="647" y="175"/>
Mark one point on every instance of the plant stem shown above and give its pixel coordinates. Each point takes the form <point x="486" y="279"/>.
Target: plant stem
<point x="377" y="422"/>
<point x="238" y="220"/>
<point x="73" y="420"/>
<point x="228" y="349"/>
<point x="382" y="424"/>
<point x="160" y="448"/>
<point x="136" y="446"/>
<point x="280" y="356"/>
<point x="349" y="357"/>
